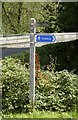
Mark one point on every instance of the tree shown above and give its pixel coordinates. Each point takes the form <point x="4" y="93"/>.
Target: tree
<point x="11" y="17"/>
<point x="68" y="17"/>
<point x="16" y="16"/>
<point x="50" y="15"/>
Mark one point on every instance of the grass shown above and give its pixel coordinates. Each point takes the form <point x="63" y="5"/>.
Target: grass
<point x="43" y="114"/>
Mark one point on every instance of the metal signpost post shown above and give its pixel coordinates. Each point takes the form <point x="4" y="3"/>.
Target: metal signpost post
<point x="39" y="38"/>
<point x="32" y="61"/>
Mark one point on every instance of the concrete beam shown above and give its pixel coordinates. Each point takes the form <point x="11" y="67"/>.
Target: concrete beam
<point x="24" y="41"/>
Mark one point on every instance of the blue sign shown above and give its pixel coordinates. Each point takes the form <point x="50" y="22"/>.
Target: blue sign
<point x="45" y="38"/>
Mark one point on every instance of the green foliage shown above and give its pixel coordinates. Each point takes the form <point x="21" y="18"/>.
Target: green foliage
<point x="44" y="114"/>
<point x="23" y="57"/>
<point x="67" y="18"/>
<point x="62" y="17"/>
<point x="16" y="16"/>
<point x="58" y="92"/>
<point x="60" y="56"/>
<point x="15" y="80"/>
<point x="54" y="92"/>
<point x="50" y="15"/>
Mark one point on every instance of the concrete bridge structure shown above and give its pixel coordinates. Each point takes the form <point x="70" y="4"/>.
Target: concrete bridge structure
<point x="24" y="40"/>
<point x="15" y="44"/>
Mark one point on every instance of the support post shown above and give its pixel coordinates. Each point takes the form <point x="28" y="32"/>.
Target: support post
<point x="32" y="61"/>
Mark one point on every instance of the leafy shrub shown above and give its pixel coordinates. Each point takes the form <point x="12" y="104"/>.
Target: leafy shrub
<point x="15" y="81"/>
<point x="61" y="54"/>
<point x="23" y="57"/>
<point x="55" y="91"/>
<point x="58" y="92"/>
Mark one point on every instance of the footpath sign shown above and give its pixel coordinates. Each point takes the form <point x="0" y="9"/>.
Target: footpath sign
<point x="45" y="38"/>
<point x="33" y="39"/>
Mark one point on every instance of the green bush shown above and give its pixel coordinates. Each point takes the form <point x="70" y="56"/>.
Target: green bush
<point x="58" y="92"/>
<point x="60" y="55"/>
<point x="23" y="57"/>
<point x="55" y="91"/>
<point x="15" y="81"/>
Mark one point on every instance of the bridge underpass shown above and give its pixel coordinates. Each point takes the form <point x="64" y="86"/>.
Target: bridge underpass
<point x="11" y="51"/>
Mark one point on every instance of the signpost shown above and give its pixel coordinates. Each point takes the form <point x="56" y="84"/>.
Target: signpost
<point x="39" y="38"/>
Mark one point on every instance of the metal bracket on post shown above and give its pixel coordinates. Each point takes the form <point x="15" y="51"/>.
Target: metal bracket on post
<point x="32" y="61"/>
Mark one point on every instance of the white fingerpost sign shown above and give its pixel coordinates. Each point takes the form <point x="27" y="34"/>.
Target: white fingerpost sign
<point x="32" y="60"/>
